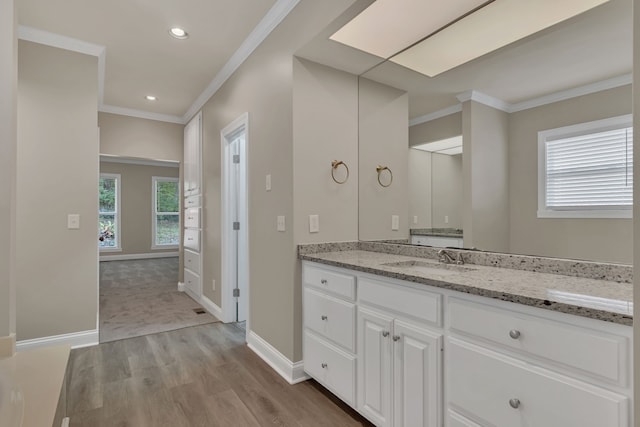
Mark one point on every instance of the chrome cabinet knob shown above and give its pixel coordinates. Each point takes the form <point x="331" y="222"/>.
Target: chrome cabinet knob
<point x="324" y="366"/>
<point x="514" y="333"/>
<point x="323" y="317"/>
<point x="323" y="281"/>
<point x="385" y="333"/>
<point x="514" y="403"/>
<point x="396" y="337"/>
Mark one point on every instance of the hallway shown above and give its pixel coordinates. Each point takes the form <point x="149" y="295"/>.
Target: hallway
<point x="140" y="297"/>
<point x="199" y="376"/>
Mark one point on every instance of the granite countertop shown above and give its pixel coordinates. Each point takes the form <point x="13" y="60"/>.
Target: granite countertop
<point x="437" y="232"/>
<point x="605" y="300"/>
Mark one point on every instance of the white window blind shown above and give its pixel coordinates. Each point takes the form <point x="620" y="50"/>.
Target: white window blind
<point x="587" y="170"/>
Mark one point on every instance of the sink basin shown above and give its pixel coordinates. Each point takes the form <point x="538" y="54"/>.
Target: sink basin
<point x="426" y="267"/>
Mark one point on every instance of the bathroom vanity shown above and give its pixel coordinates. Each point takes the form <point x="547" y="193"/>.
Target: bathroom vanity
<point x="409" y="341"/>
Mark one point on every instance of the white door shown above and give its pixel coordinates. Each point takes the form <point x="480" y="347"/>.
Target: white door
<point x="374" y="366"/>
<point x="235" y="251"/>
<point x="417" y="376"/>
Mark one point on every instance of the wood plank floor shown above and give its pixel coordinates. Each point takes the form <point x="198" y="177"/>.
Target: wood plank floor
<point x="198" y="376"/>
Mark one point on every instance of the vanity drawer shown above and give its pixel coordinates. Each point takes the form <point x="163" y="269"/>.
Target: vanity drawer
<point x="192" y="261"/>
<point x="331" y="367"/>
<point x="507" y="392"/>
<point x="192" y="281"/>
<point x="417" y="303"/>
<point x="192" y="202"/>
<point x="340" y="284"/>
<point x="192" y="239"/>
<point x="192" y="218"/>
<point x="601" y="355"/>
<point x="330" y="317"/>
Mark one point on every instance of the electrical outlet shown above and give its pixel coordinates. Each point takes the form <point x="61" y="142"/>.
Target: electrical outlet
<point x="213" y="284"/>
<point x="415" y="219"/>
<point x="395" y="222"/>
<point x="267" y="183"/>
<point x="446" y="219"/>
<point x="281" y="223"/>
<point x="73" y="221"/>
<point x="314" y="223"/>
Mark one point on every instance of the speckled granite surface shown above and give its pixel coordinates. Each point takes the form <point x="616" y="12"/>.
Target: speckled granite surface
<point x="605" y="300"/>
<point x="438" y="232"/>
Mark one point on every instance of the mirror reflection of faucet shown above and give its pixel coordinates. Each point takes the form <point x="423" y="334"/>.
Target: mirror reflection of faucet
<point x="448" y="257"/>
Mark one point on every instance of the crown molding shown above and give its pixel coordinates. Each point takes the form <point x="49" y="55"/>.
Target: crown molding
<point x="141" y="114"/>
<point x="436" y="115"/>
<point x="276" y="14"/>
<point x="562" y="95"/>
<point x="110" y="158"/>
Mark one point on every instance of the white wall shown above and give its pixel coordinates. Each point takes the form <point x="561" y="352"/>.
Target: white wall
<point x="57" y="174"/>
<point x="8" y="138"/>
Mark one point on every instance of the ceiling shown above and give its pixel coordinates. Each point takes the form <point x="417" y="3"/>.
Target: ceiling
<point x="592" y="47"/>
<point x="141" y="58"/>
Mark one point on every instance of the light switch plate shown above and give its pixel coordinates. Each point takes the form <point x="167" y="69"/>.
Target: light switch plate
<point x="281" y="223"/>
<point x="314" y="223"/>
<point x="395" y="222"/>
<point x="267" y="183"/>
<point x="73" y="221"/>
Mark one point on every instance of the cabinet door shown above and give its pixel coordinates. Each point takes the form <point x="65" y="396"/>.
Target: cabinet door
<point x="374" y="366"/>
<point x="417" y="376"/>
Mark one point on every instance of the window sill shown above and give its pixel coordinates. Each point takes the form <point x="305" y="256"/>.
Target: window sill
<point x="106" y="250"/>
<point x="164" y="247"/>
<point x="627" y="213"/>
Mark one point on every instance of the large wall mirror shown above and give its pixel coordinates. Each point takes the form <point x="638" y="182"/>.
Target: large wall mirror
<point x="463" y="146"/>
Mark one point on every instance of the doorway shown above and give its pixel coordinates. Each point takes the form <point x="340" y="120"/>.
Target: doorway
<point x="235" y="241"/>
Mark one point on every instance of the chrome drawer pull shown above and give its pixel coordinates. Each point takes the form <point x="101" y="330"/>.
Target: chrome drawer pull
<point x="323" y="317"/>
<point x="514" y="333"/>
<point x="396" y="337"/>
<point x="323" y="281"/>
<point x="514" y="403"/>
<point x="324" y="366"/>
<point x="385" y="333"/>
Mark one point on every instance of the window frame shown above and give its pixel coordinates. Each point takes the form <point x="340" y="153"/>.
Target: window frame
<point x="154" y="213"/>
<point x="567" y="132"/>
<point x="118" y="223"/>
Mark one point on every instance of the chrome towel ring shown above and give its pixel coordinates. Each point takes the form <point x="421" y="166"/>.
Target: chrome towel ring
<point x="334" y="165"/>
<point x="381" y="169"/>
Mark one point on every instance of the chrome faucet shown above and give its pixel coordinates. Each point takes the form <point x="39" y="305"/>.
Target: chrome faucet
<point x="450" y="257"/>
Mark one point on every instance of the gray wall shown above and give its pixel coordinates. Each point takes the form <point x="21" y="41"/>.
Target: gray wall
<point x="435" y="130"/>
<point x="383" y="140"/>
<point x="446" y="190"/>
<point x="57" y="268"/>
<point x="136" y="195"/>
<point x="419" y="176"/>
<point x="598" y="239"/>
<point x="8" y="138"/>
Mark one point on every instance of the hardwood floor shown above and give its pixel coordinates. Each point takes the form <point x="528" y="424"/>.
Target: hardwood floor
<point x="198" y="376"/>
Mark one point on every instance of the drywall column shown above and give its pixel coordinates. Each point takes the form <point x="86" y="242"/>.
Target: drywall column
<point x="8" y="142"/>
<point x="485" y="218"/>
<point x="636" y="212"/>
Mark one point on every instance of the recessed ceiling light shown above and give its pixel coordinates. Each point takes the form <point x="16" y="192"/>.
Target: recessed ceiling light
<point x="178" y="33"/>
<point x="150" y="98"/>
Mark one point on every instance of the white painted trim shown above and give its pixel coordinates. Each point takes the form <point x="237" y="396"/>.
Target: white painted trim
<point x="75" y="340"/>
<point x="436" y="115"/>
<point x="572" y="93"/>
<point x="276" y="14"/>
<point x="110" y="158"/>
<point x="213" y="308"/>
<point x="180" y="287"/>
<point x="65" y="422"/>
<point x="482" y="98"/>
<point x="125" y="257"/>
<point x="293" y="373"/>
<point x="141" y="114"/>
<point x="7" y="345"/>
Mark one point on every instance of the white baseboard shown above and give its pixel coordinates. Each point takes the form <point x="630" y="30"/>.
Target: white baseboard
<point x="75" y="340"/>
<point x="139" y="256"/>
<point x="180" y="286"/>
<point x="7" y="345"/>
<point x="292" y="372"/>
<point x="211" y="307"/>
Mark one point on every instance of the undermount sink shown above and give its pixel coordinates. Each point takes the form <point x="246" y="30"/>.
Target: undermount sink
<point x="427" y="267"/>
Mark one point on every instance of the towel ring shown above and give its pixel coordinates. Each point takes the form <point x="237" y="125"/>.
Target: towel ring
<point x="334" y="165"/>
<point x="381" y="169"/>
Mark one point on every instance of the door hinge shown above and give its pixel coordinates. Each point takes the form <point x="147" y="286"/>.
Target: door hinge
<point x="236" y="158"/>
<point x="236" y="225"/>
<point x="236" y="292"/>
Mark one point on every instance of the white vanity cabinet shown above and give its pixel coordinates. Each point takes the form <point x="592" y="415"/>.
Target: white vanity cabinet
<point x="192" y="156"/>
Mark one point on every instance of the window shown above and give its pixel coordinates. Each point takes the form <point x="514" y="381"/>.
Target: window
<point x="586" y="170"/>
<point x="166" y="213"/>
<point x="109" y="212"/>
